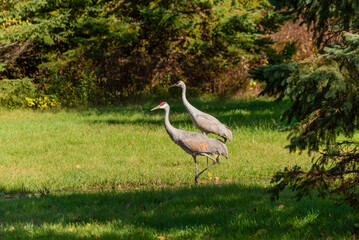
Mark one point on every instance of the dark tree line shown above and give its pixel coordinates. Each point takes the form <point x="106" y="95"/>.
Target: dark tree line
<point x="96" y="51"/>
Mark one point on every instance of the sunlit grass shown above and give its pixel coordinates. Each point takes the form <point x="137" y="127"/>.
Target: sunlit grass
<point x="129" y="146"/>
<point x="115" y="173"/>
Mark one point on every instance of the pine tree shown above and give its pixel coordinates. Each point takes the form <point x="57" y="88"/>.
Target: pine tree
<point x="325" y="109"/>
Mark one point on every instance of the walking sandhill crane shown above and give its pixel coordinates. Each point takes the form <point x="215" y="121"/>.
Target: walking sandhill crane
<point x="193" y="143"/>
<point x="203" y="121"/>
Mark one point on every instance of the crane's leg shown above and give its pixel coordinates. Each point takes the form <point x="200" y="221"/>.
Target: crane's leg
<point x="195" y="178"/>
<point x="214" y="162"/>
<point x="204" y="133"/>
<point x="205" y="154"/>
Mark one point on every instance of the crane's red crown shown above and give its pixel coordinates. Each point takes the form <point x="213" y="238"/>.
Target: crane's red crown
<point x="178" y="81"/>
<point x="163" y="103"/>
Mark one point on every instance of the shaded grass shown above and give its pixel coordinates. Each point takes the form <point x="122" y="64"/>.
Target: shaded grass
<point x="231" y="211"/>
<point x="114" y="173"/>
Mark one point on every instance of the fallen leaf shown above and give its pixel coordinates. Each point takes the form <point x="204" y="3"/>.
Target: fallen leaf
<point x="260" y="232"/>
<point x="78" y="166"/>
<point x="161" y="238"/>
<point x="329" y="238"/>
<point x="281" y="206"/>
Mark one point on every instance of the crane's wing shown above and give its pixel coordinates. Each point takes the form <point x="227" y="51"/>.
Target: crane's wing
<point x="211" y="124"/>
<point x="196" y="143"/>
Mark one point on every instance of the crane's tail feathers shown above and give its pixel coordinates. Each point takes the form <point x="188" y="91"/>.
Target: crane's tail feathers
<point x="229" y="134"/>
<point x="222" y="148"/>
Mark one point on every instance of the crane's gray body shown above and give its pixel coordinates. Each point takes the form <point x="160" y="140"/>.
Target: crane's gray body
<point x="193" y="143"/>
<point x="203" y="121"/>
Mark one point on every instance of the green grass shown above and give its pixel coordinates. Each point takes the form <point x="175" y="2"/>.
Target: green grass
<point x="115" y="173"/>
<point x="230" y="211"/>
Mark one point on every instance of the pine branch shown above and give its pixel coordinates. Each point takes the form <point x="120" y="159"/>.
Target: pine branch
<point x="5" y="47"/>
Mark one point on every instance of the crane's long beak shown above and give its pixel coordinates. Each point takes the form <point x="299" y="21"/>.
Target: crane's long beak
<point x="174" y="85"/>
<point x="155" y="108"/>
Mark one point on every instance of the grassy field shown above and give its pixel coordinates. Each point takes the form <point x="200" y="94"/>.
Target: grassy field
<point x="115" y="173"/>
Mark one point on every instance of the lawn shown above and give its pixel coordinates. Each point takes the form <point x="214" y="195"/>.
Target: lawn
<point x="113" y="172"/>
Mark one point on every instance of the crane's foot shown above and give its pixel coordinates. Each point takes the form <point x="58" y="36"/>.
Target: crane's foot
<point x="195" y="180"/>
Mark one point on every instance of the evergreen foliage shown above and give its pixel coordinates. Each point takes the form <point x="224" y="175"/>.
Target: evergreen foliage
<point x="324" y="91"/>
<point x="325" y="99"/>
<point x="128" y="47"/>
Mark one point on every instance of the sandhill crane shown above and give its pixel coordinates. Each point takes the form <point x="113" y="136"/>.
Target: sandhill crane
<point x="203" y="121"/>
<point x="193" y="143"/>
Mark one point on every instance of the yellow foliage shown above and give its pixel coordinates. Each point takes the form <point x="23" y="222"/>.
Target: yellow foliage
<point x="45" y="102"/>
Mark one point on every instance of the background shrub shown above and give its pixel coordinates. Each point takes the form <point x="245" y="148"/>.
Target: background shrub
<point x="87" y="52"/>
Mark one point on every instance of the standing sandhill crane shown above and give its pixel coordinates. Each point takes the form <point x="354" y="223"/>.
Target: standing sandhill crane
<point x="203" y="121"/>
<point x="193" y="143"/>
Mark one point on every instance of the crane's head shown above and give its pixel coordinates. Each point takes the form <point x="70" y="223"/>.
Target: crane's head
<point x="178" y="84"/>
<point x="163" y="105"/>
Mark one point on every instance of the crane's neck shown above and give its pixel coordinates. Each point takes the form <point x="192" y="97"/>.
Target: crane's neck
<point x="169" y="128"/>
<point x="184" y="99"/>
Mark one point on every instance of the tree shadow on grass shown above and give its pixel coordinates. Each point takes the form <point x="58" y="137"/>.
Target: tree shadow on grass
<point x="256" y="113"/>
<point x="229" y="211"/>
